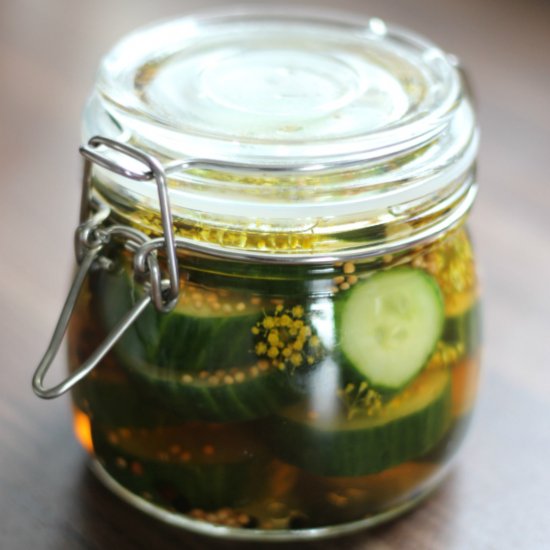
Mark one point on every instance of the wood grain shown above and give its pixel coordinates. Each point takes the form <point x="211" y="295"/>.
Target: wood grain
<point x="499" y="493"/>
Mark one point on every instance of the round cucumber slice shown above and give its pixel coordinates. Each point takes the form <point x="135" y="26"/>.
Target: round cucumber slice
<point x="197" y="363"/>
<point x="120" y="404"/>
<point x="196" y="337"/>
<point x="193" y="466"/>
<point x="408" y="426"/>
<point x="464" y="330"/>
<point x="205" y="331"/>
<point x="389" y="325"/>
<point x="223" y="396"/>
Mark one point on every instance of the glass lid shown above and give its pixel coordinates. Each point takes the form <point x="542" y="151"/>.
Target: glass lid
<point x="278" y="88"/>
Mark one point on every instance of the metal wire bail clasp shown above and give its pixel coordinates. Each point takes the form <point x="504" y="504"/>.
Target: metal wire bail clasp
<point x="90" y="240"/>
<point x="61" y="327"/>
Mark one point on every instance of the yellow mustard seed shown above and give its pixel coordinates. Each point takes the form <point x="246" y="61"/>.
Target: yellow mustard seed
<point x="243" y="519"/>
<point x="349" y="268"/>
<point x="260" y="348"/>
<point x="352" y="279"/>
<point x="224" y="513"/>
<point x="344" y="286"/>
<point x="268" y="322"/>
<point x="240" y="377"/>
<point x="297" y="312"/>
<point x="338" y="280"/>
<point x="241" y="306"/>
<point x="208" y="450"/>
<point x="228" y="379"/>
<point x="298" y="345"/>
<point x="285" y="320"/>
<point x="337" y="500"/>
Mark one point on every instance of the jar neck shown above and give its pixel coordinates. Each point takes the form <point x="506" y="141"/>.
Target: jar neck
<point x="359" y="208"/>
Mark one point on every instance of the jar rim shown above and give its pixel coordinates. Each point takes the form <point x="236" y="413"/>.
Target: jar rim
<point x="367" y="90"/>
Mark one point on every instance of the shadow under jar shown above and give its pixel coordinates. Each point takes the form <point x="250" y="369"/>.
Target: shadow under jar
<point x="309" y="366"/>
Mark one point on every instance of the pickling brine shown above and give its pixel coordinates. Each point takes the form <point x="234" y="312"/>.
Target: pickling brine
<point x="301" y="398"/>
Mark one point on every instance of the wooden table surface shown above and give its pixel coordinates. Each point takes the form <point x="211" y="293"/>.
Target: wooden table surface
<point x="498" y="495"/>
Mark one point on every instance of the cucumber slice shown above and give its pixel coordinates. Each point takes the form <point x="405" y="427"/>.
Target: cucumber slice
<point x="120" y="404"/>
<point x="199" y="334"/>
<point x="389" y="325"/>
<point x="223" y="396"/>
<point x="407" y="427"/>
<point x="261" y="279"/>
<point x="196" y="364"/>
<point x="196" y="466"/>
<point x="195" y="337"/>
<point x="464" y="330"/>
<point x="203" y="332"/>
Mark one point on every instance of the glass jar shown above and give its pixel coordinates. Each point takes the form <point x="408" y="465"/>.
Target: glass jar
<point x="277" y="330"/>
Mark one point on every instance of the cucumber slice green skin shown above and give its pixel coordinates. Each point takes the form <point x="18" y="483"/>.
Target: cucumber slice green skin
<point x="389" y="366"/>
<point x="364" y="447"/>
<point x="120" y="405"/>
<point x="184" y="486"/>
<point x="184" y="342"/>
<point x="451" y="442"/>
<point x="186" y="339"/>
<point x="255" y="397"/>
<point x="160" y="349"/>
<point x="465" y="329"/>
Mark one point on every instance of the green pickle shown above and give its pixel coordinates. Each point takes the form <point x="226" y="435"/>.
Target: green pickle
<point x="257" y="404"/>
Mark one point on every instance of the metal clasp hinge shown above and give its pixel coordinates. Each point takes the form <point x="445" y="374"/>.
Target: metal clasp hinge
<point x="90" y="240"/>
